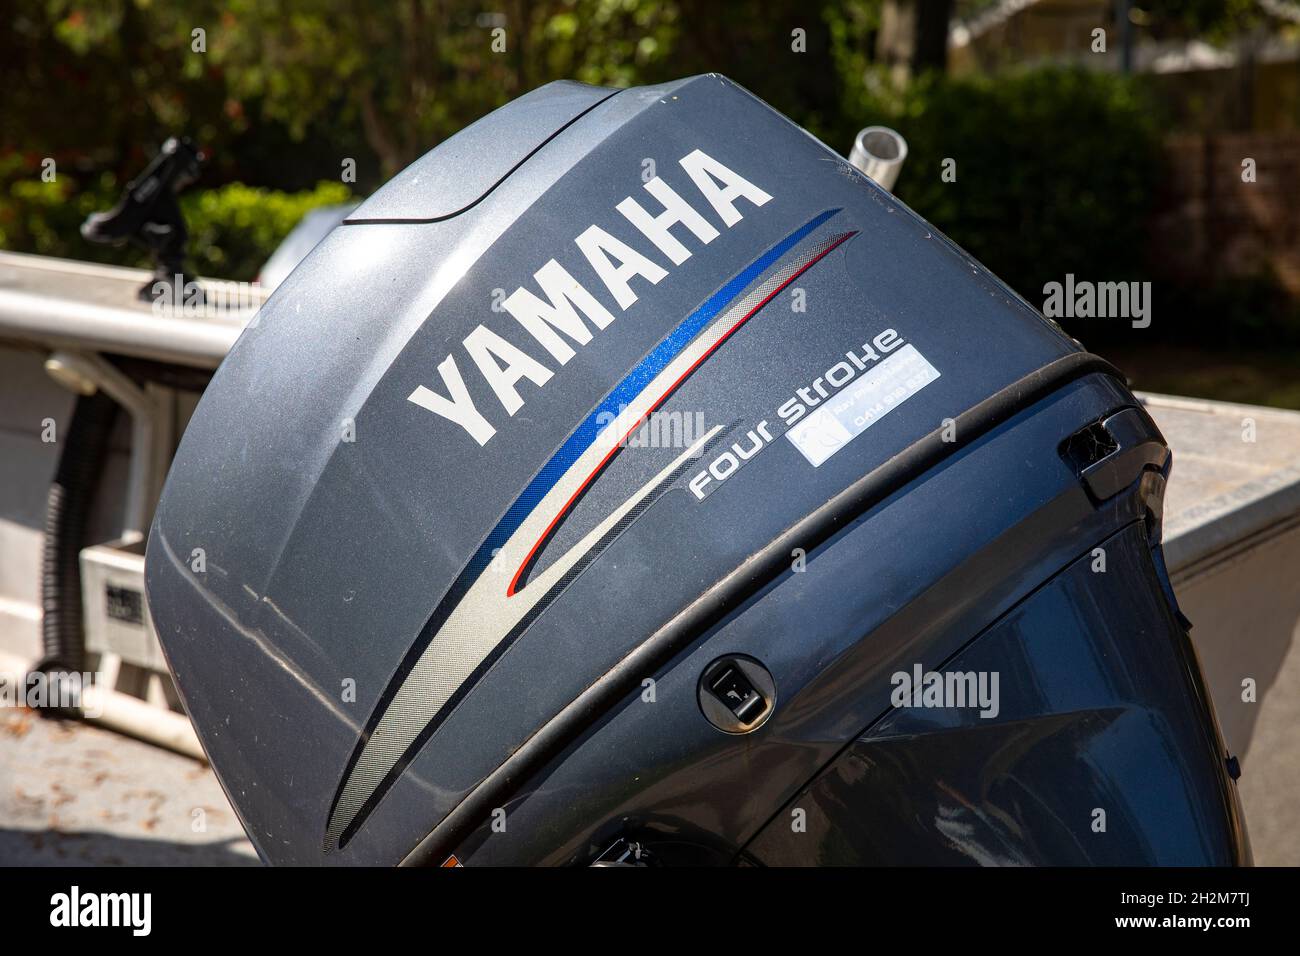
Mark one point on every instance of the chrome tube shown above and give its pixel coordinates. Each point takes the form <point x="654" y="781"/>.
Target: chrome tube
<point x="879" y="152"/>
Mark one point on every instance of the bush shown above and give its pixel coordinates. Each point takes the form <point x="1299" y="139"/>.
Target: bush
<point x="1056" y="170"/>
<point x="44" y="218"/>
<point x="233" y="229"/>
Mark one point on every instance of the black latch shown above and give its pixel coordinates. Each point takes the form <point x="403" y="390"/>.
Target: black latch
<point x="737" y="694"/>
<point x="733" y="688"/>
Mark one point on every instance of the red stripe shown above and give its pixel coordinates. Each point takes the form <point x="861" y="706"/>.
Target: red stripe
<point x="514" y="581"/>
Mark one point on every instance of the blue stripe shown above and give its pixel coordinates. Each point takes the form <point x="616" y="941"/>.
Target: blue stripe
<point x="627" y="390"/>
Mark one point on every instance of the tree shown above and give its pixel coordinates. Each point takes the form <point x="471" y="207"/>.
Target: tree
<point x="914" y="36"/>
<point x="412" y="72"/>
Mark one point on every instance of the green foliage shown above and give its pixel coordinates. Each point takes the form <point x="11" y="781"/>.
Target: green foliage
<point x="606" y="42"/>
<point x="1056" y="170"/>
<point x="1216" y="20"/>
<point x="44" y="217"/>
<point x="233" y="229"/>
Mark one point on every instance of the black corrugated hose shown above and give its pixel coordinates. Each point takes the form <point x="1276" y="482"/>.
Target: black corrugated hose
<point x="67" y="509"/>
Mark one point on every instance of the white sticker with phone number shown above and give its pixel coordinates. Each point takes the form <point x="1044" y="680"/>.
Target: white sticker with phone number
<point x="847" y="414"/>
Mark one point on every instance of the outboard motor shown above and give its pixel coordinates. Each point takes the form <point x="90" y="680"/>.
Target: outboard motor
<point x="634" y="481"/>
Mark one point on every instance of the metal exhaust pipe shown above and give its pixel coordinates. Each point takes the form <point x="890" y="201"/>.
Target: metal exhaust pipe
<point x="879" y="152"/>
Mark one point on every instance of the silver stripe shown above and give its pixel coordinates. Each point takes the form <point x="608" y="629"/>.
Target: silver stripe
<point x="485" y="615"/>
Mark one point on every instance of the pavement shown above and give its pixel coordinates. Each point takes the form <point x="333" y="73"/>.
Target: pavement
<point x="73" y="794"/>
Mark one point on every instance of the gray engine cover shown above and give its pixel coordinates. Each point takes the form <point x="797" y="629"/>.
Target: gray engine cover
<point x="368" y="605"/>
